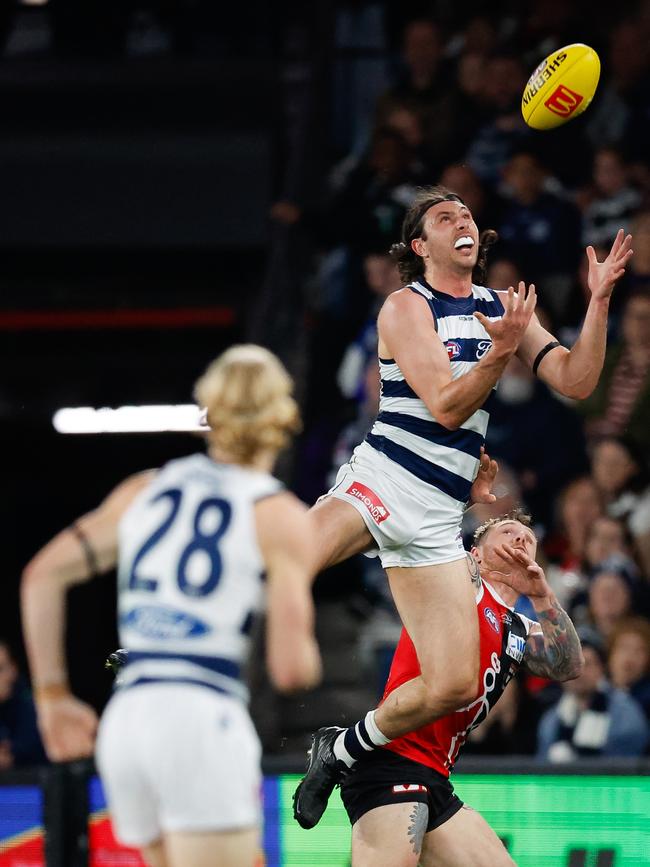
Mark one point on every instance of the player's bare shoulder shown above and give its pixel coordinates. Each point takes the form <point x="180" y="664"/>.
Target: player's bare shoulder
<point x="404" y="309"/>
<point x="121" y="497"/>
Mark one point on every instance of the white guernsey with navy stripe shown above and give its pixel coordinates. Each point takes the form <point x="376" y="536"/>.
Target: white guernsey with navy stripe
<point x="191" y="575"/>
<point x="405" y="431"/>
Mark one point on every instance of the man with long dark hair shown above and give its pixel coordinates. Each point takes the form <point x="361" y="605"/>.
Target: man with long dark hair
<point x="444" y="341"/>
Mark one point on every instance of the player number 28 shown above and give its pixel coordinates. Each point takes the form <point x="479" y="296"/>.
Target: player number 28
<point x="202" y="541"/>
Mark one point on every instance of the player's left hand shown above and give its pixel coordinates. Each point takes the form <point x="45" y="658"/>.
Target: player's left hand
<point x="68" y="727"/>
<point x="526" y="576"/>
<point x="481" y="491"/>
<point x="603" y="275"/>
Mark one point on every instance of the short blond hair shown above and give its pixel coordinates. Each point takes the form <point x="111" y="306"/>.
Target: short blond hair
<point x="515" y="514"/>
<point x="247" y="395"/>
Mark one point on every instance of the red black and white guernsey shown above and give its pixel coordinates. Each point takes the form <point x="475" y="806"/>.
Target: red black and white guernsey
<point x="503" y="634"/>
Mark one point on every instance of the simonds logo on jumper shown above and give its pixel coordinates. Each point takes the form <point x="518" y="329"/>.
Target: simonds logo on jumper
<point x="408" y="787"/>
<point x="563" y="101"/>
<point x="378" y="512"/>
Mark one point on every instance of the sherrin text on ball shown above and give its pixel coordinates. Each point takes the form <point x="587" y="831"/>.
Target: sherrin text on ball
<point x="561" y="87"/>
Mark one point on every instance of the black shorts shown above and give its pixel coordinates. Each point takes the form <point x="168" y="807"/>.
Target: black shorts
<point x="383" y="778"/>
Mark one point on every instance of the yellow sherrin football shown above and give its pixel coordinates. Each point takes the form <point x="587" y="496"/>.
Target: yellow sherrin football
<point x="561" y="87"/>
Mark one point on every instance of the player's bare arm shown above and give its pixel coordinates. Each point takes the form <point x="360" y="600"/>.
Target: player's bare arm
<point x="575" y="372"/>
<point x="73" y="557"/>
<point x="553" y="647"/>
<point x="407" y="333"/>
<point x="286" y="538"/>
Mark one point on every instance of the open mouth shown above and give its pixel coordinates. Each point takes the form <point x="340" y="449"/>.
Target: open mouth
<point x="465" y="242"/>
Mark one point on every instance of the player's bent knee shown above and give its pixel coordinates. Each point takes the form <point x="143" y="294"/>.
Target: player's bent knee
<point x="447" y="694"/>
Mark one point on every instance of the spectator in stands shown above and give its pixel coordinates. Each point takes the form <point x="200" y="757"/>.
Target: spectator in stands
<point x="578" y="506"/>
<point x="355" y="432"/>
<point x="592" y="718"/>
<point x="462" y="180"/>
<point x="369" y="201"/>
<point x="423" y="84"/>
<point x="609" y="598"/>
<point x="503" y="130"/>
<point x="578" y="301"/>
<point x="478" y="35"/>
<point x="608" y="548"/>
<point x="607" y="538"/>
<point x="523" y="413"/>
<point x="408" y="121"/>
<point x="629" y="659"/>
<point x="620" y="403"/>
<point x="545" y="25"/>
<point x="620" y="471"/>
<point x="539" y="229"/>
<point x="382" y="278"/>
<point x="20" y="742"/>
<point x="623" y="92"/>
<point x="470" y="112"/>
<point x="612" y="201"/>
<point x="419" y="78"/>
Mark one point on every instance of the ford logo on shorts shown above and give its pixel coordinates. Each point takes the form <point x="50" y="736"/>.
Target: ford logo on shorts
<point x="156" y="621"/>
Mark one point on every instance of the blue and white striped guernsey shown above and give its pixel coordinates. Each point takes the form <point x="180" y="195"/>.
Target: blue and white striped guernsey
<point x="405" y="431"/>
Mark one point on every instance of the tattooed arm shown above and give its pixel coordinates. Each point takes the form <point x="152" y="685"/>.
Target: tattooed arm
<point x="553" y="648"/>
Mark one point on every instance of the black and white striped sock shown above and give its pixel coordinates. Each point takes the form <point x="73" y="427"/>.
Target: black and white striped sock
<point x="358" y="740"/>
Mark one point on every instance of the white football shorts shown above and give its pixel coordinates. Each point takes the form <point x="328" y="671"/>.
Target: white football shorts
<point x="413" y="523"/>
<point x="178" y="757"/>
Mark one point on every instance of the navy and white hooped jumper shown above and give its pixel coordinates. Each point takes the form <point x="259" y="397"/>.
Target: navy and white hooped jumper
<point x="429" y="464"/>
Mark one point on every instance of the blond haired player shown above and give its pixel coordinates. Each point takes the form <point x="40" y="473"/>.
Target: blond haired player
<point x="444" y="342"/>
<point x="177" y="752"/>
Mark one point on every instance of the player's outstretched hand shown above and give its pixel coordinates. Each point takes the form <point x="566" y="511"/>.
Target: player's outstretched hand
<point x="603" y="275"/>
<point x="481" y="491"/>
<point x="68" y="728"/>
<point x="526" y="575"/>
<point x="506" y="333"/>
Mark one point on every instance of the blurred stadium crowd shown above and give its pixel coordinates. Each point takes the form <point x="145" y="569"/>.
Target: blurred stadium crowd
<point x="431" y="93"/>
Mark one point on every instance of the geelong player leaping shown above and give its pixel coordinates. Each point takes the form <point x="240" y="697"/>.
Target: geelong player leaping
<point x="443" y="344"/>
<point x="400" y="802"/>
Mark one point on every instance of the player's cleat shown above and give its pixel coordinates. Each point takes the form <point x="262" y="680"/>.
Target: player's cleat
<point x="324" y="773"/>
<point x="116" y="661"/>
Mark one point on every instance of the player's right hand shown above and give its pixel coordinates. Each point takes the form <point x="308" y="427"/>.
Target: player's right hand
<point x="506" y="333"/>
<point x="526" y="576"/>
<point x="68" y="727"/>
<point x="481" y="491"/>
